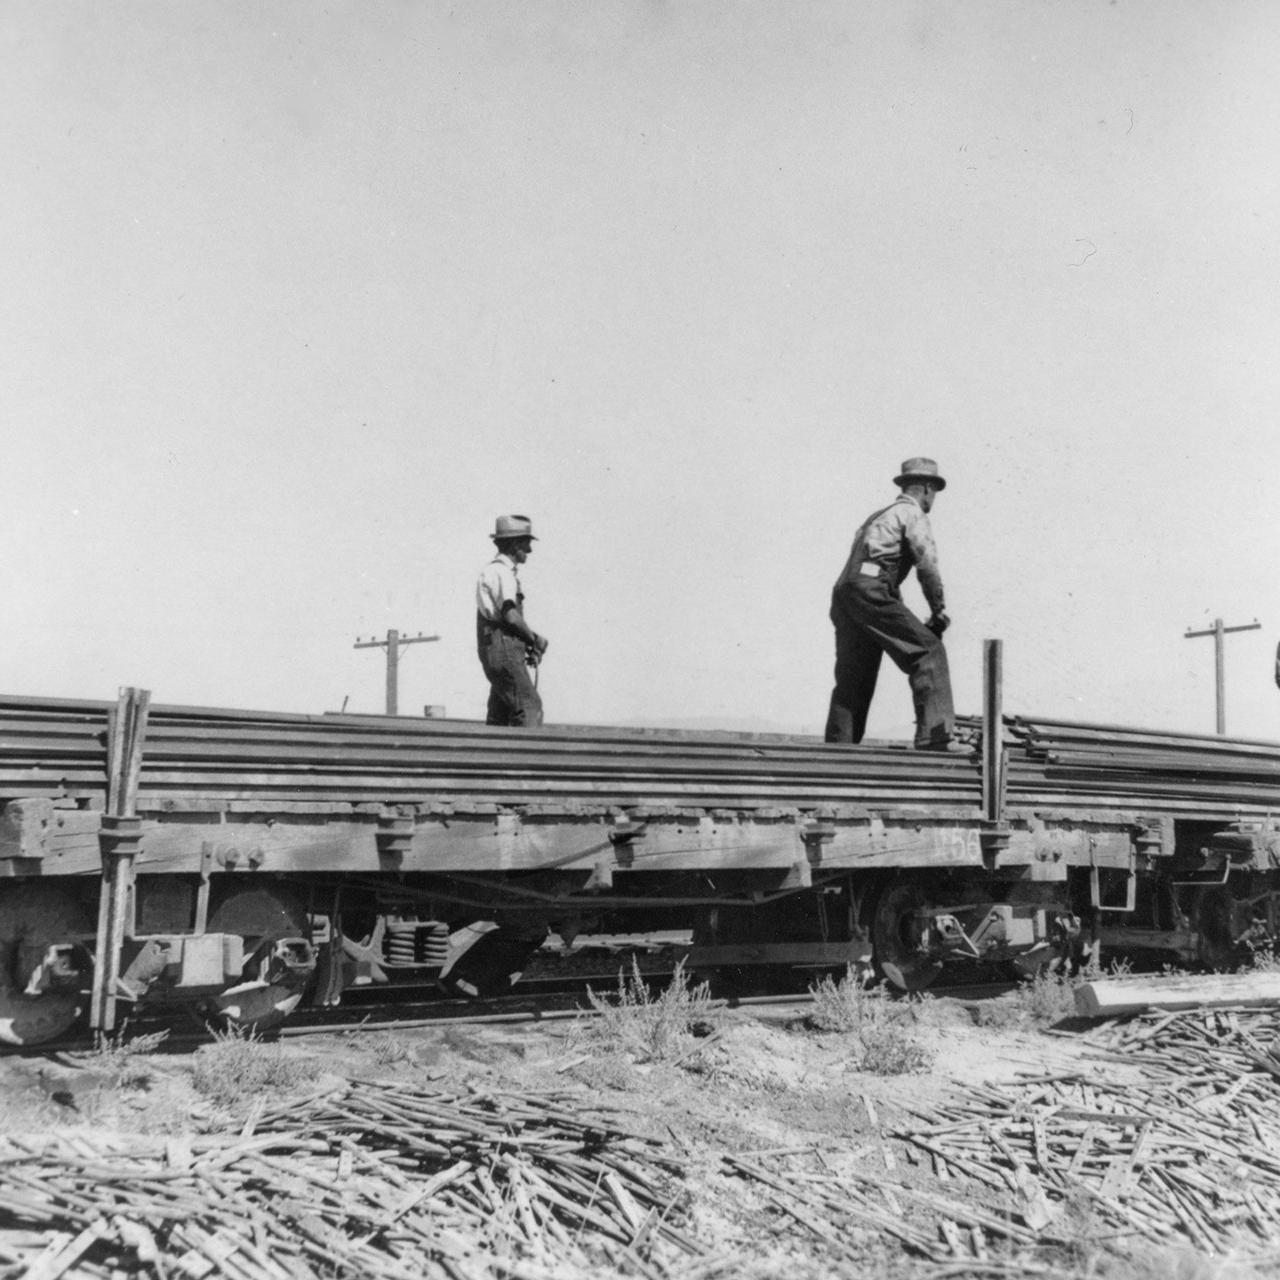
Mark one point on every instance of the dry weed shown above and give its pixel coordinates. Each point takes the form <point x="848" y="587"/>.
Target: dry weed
<point x="858" y="1005"/>
<point x="843" y="1005"/>
<point x="238" y="1068"/>
<point x="649" y="1028"/>
<point x="891" y="1050"/>
<point x="120" y="1058"/>
<point x="1176" y="1263"/>
<point x="1050" y="995"/>
<point x="388" y="1049"/>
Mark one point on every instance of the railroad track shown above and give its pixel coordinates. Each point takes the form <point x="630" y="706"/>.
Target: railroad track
<point x="555" y="989"/>
<point x="543" y="1002"/>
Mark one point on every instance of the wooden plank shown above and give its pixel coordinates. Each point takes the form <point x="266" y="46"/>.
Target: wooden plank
<point x="124" y="757"/>
<point x="1120" y="997"/>
<point x="26" y="829"/>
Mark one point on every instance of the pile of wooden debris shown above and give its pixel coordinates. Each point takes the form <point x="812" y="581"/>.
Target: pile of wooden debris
<point x="1168" y="1130"/>
<point x="1174" y="1136"/>
<point x="372" y="1180"/>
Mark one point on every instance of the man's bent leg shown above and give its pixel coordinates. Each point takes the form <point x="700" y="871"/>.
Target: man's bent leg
<point x="884" y="620"/>
<point x="930" y="680"/>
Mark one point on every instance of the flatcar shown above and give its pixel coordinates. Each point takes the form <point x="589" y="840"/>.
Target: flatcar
<point x="248" y="863"/>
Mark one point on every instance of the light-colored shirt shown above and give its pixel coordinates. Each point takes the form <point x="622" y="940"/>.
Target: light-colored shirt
<point x="896" y="538"/>
<point x="498" y="584"/>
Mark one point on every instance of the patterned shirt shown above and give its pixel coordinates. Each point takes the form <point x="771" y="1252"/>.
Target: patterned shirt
<point x="894" y="539"/>
<point x="499" y="584"/>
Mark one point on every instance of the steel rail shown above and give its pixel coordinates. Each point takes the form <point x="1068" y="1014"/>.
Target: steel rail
<point x="57" y="747"/>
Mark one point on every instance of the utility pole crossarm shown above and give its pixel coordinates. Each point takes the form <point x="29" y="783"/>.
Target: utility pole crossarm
<point x="393" y="644"/>
<point x="382" y="644"/>
<point x="1217" y="631"/>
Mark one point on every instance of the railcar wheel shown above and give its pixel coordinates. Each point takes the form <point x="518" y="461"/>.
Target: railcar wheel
<point x="261" y="915"/>
<point x="33" y="918"/>
<point x="896" y="937"/>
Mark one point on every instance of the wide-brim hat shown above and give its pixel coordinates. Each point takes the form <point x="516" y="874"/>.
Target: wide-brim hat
<point x="512" y="527"/>
<point x="920" y="469"/>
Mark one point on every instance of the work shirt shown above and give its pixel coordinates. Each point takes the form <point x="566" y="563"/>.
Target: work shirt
<point x="890" y="542"/>
<point x="499" y="584"/>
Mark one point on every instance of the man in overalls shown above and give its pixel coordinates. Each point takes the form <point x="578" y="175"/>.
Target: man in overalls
<point x="508" y="646"/>
<point x="870" y="618"/>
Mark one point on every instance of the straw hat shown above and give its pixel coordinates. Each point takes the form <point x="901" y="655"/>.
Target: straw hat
<point x="512" y="527"/>
<point x="920" y="469"/>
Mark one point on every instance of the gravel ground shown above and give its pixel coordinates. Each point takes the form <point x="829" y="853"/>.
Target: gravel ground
<point x="788" y="1137"/>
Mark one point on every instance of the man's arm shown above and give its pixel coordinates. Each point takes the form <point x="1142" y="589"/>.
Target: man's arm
<point x="504" y="590"/>
<point x="513" y="620"/>
<point x="920" y="539"/>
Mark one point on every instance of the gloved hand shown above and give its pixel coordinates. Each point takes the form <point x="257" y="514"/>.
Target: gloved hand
<point x="533" y="652"/>
<point x="939" y="622"/>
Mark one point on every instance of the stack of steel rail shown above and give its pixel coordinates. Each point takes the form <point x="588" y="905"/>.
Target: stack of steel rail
<point x="1065" y="765"/>
<point x="58" y="748"/>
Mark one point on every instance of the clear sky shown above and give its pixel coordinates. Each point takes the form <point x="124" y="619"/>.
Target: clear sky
<point x="296" y="298"/>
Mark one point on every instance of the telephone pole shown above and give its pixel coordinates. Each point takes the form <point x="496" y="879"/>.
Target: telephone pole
<point x="1217" y="631"/>
<point x="392" y="644"/>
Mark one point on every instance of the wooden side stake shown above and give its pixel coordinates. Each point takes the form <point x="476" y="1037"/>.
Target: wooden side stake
<point x="119" y="841"/>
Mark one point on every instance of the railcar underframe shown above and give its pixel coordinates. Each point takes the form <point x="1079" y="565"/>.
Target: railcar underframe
<point x="174" y="868"/>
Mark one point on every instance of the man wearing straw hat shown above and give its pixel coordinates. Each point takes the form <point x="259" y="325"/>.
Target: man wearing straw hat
<point x="507" y="645"/>
<point x="871" y="620"/>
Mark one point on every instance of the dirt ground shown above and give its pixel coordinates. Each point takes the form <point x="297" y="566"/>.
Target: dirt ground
<point x="752" y="1085"/>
